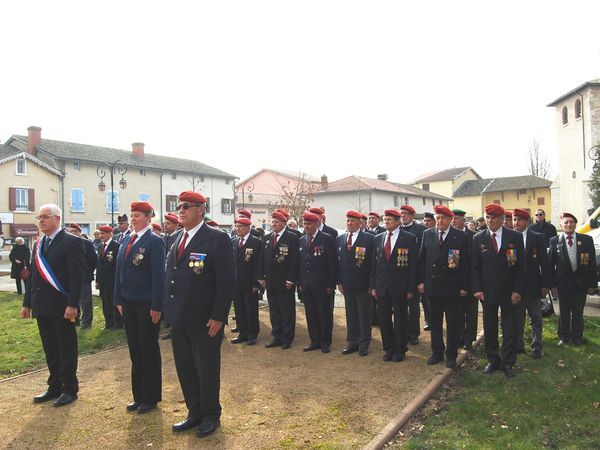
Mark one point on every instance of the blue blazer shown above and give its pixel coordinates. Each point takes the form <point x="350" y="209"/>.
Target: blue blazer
<point x="317" y="264"/>
<point x="145" y="280"/>
<point x="354" y="269"/>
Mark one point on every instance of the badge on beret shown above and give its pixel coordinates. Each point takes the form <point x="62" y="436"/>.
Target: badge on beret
<point x="197" y="262"/>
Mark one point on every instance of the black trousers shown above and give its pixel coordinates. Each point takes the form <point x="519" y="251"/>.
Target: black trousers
<point x="414" y="318"/>
<point x="358" y="317"/>
<point x="108" y="307"/>
<point x="570" y="320"/>
<point x="392" y="314"/>
<point x="533" y="307"/>
<point x="18" y="282"/>
<point x="451" y="308"/>
<point x="198" y="363"/>
<point x="510" y="324"/>
<point x="319" y="315"/>
<point x="246" y="313"/>
<point x="282" y="312"/>
<point x="144" y="351"/>
<point x="59" y="340"/>
<point x="470" y="311"/>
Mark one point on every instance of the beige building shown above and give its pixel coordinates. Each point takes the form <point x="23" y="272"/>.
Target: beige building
<point x="577" y="123"/>
<point x="445" y="182"/>
<point x="525" y="192"/>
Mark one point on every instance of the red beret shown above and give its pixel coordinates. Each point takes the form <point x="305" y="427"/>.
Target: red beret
<point x="567" y="214"/>
<point x="243" y="221"/>
<point x="310" y="217"/>
<point x="521" y="213"/>
<point x="408" y="208"/>
<point x="245" y="213"/>
<point x="284" y="212"/>
<point x="191" y="196"/>
<point x="279" y="216"/>
<point x="316" y="210"/>
<point x="354" y="214"/>
<point x="172" y="218"/>
<point x="212" y="223"/>
<point x="444" y="210"/>
<point x="75" y="225"/>
<point x="144" y="207"/>
<point x="105" y="228"/>
<point x="376" y="214"/>
<point x="363" y="216"/>
<point x="508" y="214"/>
<point x="157" y="226"/>
<point x="391" y="212"/>
<point x="494" y="210"/>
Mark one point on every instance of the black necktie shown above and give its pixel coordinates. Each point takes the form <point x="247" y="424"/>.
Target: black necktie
<point x="46" y="244"/>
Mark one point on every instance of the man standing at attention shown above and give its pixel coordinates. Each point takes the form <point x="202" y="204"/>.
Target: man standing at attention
<point x="52" y="297"/>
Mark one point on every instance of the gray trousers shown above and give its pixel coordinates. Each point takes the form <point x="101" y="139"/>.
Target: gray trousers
<point x="85" y="304"/>
<point x="359" y="316"/>
<point x="533" y="307"/>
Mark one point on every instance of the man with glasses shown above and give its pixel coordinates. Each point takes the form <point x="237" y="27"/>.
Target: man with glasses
<point x="52" y="297"/>
<point x="200" y="279"/>
<point x="541" y="226"/>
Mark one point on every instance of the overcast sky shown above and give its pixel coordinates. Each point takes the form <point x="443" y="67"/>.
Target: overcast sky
<point x="325" y="87"/>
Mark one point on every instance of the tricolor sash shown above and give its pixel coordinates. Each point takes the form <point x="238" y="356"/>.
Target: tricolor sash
<point x="46" y="271"/>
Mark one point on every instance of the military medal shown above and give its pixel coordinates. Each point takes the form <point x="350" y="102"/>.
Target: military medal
<point x="109" y="256"/>
<point x="359" y="255"/>
<point x="511" y="256"/>
<point x="283" y="252"/>
<point x="248" y="254"/>
<point x="483" y="248"/>
<point x="584" y="259"/>
<point x="453" y="258"/>
<point x="137" y="258"/>
<point x="197" y="262"/>
<point x="402" y="260"/>
<point x="534" y="253"/>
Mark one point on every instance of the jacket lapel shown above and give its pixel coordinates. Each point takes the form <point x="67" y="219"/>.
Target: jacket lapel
<point x="136" y="245"/>
<point x="198" y="237"/>
<point x="55" y="243"/>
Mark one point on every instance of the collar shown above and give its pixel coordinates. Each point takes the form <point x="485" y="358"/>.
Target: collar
<point x="194" y="230"/>
<point x="498" y="232"/>
<point x="409" y="224"/>
<point x="54" y="233"/>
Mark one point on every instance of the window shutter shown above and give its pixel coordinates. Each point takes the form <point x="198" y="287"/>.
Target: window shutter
<point x="31" y="199"/>
<point x="12" y="199"/>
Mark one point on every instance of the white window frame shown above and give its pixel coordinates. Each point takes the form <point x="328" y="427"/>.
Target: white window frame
<point x="24" y="161"/>
<point x="26" y="203"/>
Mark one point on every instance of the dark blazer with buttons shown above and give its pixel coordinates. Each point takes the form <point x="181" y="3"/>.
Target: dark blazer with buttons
<point x="353" y="272"/>
<point x="538" y="268"/>
<point x="91" y="260"/>
<point x="417" y="229"/>
<point x="189" y="293"/>
<point x="491" y="272"/>
<point x="329" y="230"/>
<point x="247" y="259"/>
<point x="65" y="256"/>
<point x="317" y="263"/>
<point x="435" y="271"/>
<point x="145" y="281"/>
<point x="274" y="266"/>
<point x="389" y="276"/>
<point x="171" y="239"/>
<point x="571" y="280"/>
<point x="107" y="266"/>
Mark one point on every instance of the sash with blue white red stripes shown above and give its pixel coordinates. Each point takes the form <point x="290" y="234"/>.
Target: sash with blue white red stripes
<point x="45" y="270"/>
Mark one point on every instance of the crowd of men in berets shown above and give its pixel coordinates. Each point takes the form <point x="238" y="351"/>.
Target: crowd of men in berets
<point x="187" y="272"/>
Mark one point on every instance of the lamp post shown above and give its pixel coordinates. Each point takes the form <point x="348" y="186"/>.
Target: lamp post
<point x="247" y="187"/>
<point x="120" y="167"/>
<point x="594" y="154"/>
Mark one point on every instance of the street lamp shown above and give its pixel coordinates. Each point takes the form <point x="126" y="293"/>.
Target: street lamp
<point x="247" y="187"/>
<point x="120" y="167"/>
<point x="594" y="154"/>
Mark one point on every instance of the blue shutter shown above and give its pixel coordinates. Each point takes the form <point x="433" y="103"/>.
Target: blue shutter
<point x="112" y="200"/>
<point x="77" y="200"/>
<point x="143" y="197"/>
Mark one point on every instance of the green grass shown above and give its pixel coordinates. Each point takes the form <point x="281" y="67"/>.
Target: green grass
<point x="20" y="345"/>
<point x="544" y="406"/>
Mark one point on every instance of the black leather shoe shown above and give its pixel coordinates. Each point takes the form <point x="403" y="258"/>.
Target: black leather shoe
<point x="133" y="406"/>
<point x="490" y="368"/>
<point x="207" y="428"/>
<point x="451" y="363"/>
<point x="563" y="342"/>
<point x="64" y="399"/>
<point x="251" y="342"/>
<point x="537" y="353"/>
<point x="235" y="330"/>
<point x="239" y="340"/>
<point x="398" y="357"/>
<point x="325" y="349"/>
<point x="348" y="350"/>
<point x="427" y="328"/>
<point x="185" y="424"/>
<point x="508" y="370"/>
<point x="285" y="346"/>
<point x="578" y="342"/>
<point x="273" y="343"/>
<point x="468" y="347"/>
<point x="166" y="336"/>
<point x="521" y="350"/>
<point x="363" y="352"/>
<point x="46" y="396"/>
<point x="414" y="342"/>
<point x="387" y="356"/>
<point x="311" y="347"/>
<point x="434" y="359"/>
<point x="146" y="407"/>
<point x="107" y="327"/>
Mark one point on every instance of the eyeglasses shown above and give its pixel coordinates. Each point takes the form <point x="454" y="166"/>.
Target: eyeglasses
<point x="45" y="216"/>
<point x="539" y="215"/>
<point x="185" y="206"/>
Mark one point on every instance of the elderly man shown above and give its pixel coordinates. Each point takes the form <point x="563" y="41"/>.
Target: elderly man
<point x="52" y="297"/>
<point x="322" y="226"/>
<point x="373" y="221"/>
<point x="200" y="283"/>
<point x="139" y="297"/>
<point x="498" y="280"/>
<point x="573" y="267"/>
<point x="105" y="278"/>
<point x="508" y="220"/>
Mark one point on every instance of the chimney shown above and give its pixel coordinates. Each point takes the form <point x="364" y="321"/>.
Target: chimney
<point x="34" y="137"/>
<point x="137" y="149"/>
<point x="323" y="182"/>
<point x="382" y="176"/>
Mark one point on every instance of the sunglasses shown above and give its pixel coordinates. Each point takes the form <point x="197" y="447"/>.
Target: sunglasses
<point x="185" y="206"/>
<point x="539" y="215"/>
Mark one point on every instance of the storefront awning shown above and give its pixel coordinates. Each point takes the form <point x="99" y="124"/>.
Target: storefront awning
<point x="23" y="229"/>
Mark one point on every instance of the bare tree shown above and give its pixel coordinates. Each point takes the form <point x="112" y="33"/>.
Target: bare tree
<point x="194" y="177"/>
<point x="296" y="195"/>
<point x="538" y="162"/>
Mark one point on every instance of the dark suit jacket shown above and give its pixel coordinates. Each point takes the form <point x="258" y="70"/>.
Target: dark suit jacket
<point x="377" y="230"/>
<point x="354" y="268"/>
<point x="294" y="231"/>
<point x="275" y="266"/>
<point x="191" y="290"/>
<point x="571" y="280"/>
<point x="247" y="259"/>
<point x="538" y="269"/>
<point x="65" y="255"/>
<point x="145" y="281"/>
<point x="121" y="237"/>
<point x="546" y="228"/>
<point x="393" y="277"/>
<point x="330" y="231"/>
<point x="107" y="265"/>
<point x="417" y="229"/>
<point x="317" y="263"/>
<point x="491" y="273"/>
<point x="445" y="270"/>
<point x="170" y="240"/>
<point x="91" y="260"/>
